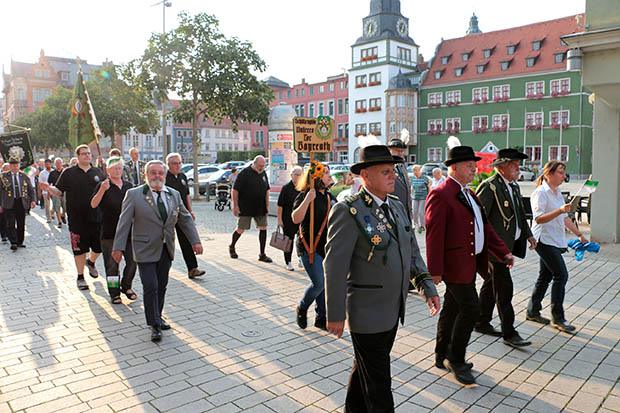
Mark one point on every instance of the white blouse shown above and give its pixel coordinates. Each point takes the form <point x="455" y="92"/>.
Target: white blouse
<point x="545" y="200"/>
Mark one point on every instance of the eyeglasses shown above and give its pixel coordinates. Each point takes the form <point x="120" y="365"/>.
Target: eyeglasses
<point x="84" y="153"/>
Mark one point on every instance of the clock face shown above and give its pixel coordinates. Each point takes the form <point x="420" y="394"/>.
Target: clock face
<point x="401" y="27"/>
<point x="370" y="28"/>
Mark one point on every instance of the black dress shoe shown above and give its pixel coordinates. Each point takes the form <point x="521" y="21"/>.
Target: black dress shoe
<point x="516" y="341"/>
<point x="21" y="246"/>
<point x="164" y="326"/>
<point x="439" y="363"/>
<point x="302" y="318"/>
<point x="232" y="252"/>
<point x="563" y="326"/>
<point x="461" y="373"/>
<point x="264" y="258"/>
<point x="13" y="247"/>
<point x="537" y="318"/>
<point x="487" y="329"/>
<point x="321" y="323"/>
<point x="155" y="334"/>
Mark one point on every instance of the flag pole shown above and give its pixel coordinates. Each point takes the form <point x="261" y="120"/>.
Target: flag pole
<point x="93" y="119"/>
<point x="542" y="130"/>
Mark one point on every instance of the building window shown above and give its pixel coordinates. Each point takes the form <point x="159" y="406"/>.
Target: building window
<point x="486" y="53"/>
<point x="445" y="60"/>
<point x="434" y="154"/>
<point x="480" y="94"/>
<point x="322" y="89"/>
<point x="311" y="110"/>
<point x="321" y="109"/>
<point x="360" y="106"/>
<point x="340" y="130"/>
<point x="296" y="93"/>
<point x="39" y="95"/>
<point x="511" y="49"/>
<point x="479" y="124"/>
<point x="534" y="153"/>
<point x="343" y="85"/>
<point x="453" y="97"/>
<point x="434" y="126"/>
<point x="480" y="68"/>
<point x="374" y="105"/>
<point x="375" y="128"/>
<point x="330" y="108"/>
<point x="372" y="53"/>
<point x="346" y="105"/>
<point x="535" y="89"/>
<point x="64" y="76"/>
<point x="374" y="79"/>
<point x="311" y="90"/>
<point x="360" y="129"/>
<point x="536" y="45"/>
<point x="438" y="74"/>
<point x="501" y="122"/>
<point x="331" y="87"/>
<point x="533" y="120"/>
<point x="559" y="57"/>
<point x="435" y="99"/>
<point x="303" y="92"/>
<point x="360" y="81"/>
<point x="465" y="56"/>
<point x="559" y="153"/>
<point x="453" y="125"/>
<point x="340" y="106"/>
<point x="559" y="119"/>
<point x="501" y="93"/>
<point x="560" y="86"/>
<point x="458" y="72"/>
<point x="530" y="61"/>
<point x="404" y="54"/>
<point x="504" y="65"/>
<point x="346" y="129"/>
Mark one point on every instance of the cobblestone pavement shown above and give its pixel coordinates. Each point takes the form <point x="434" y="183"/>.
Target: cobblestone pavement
<point x="234" y="345"/>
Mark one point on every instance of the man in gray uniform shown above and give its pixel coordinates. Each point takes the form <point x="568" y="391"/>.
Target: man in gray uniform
<point x="371" y="252"/>
<point x="402" y="185"/>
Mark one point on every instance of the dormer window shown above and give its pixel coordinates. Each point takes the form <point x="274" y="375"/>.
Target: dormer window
<point x="445" y="60"/>
<point x="438" y="74"/>
<point x="458" y="72"/>
<point x="480" y="68"/>
<point x="530" y="61"/>
<point x="486" y="53"/>
<point x="504" y="65"/>
<point x="559" y="57"/>
<point x="465" y="56"/>
<point x="536" y="45"/>
<point x="511" y="49"/>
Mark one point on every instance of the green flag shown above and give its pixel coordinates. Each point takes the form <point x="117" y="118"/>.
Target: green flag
<point x="83" y="128"/>
<point x="590" y="186"/>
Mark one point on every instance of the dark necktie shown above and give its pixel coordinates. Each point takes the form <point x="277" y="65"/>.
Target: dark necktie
<point x="161" y="207"/>
<point x="16" y="191"/>
<point x="515" y="201"/>
<point x="386" y="210"/>
<point x="466" y="194"/>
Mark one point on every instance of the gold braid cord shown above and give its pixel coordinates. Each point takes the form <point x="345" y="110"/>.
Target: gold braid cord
<point x="499" y="206"/>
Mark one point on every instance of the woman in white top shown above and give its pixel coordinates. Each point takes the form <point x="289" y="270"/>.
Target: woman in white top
<point x="550" y="223"/>
<point x="438" y="178"/>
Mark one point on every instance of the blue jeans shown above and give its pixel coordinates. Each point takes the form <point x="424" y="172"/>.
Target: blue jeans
<point x="552" y="268"/>
<point x="316" y="289"/>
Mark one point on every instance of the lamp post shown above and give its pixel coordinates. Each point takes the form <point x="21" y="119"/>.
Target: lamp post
<point x="164" y="137"/>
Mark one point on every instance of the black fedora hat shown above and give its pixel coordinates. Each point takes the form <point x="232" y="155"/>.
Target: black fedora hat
<point x="507" y="155"/>
<point x="461" y="154"/>
<point x="374" y="155"/>
<point x="396" y="143"/>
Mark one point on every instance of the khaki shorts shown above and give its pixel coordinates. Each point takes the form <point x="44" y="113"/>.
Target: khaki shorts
<point x="246" y="222"/>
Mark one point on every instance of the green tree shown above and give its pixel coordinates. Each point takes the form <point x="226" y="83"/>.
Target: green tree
<point x="212" y="74"/>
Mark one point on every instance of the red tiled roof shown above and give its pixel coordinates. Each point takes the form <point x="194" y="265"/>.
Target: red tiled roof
<point x="523" y="36"/>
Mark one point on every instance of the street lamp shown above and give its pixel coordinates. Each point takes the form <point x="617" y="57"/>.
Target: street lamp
<point x="164" y="137"/>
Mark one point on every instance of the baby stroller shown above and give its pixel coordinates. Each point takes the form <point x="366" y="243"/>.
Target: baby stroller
<point x="222" y="193"/>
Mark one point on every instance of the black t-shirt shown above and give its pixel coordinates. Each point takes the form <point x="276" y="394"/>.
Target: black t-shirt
<point x="110" y="207"/>
<point x="252" y="187"/>
<point x="53" y="177"/>
<point x="78" y="187"/>
<point x="320" y="212"/>
<point x="287" y="197"/>
<point x="179" y="183"/>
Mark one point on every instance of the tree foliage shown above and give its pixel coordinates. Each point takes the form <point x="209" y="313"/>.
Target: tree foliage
<point x="212" y="74"/>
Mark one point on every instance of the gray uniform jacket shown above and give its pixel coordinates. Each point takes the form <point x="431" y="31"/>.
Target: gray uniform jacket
<point x="368" y="264"/>
<point x="27" y="192"/>
<point x="150" y="234"/>
<point x="402" y="188"/>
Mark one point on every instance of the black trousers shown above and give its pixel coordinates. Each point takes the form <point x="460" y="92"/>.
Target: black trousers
<point x="16" y="222"/>
<point x="116" y="285"/>
<point x="552" y="271"/>
<point x="154" y="276"/>
<point x="498" y="289"/>
<point x="456" y="322"/>
<point x="370" y="384"/>
<point x="186" y="248"/>
<point x="290" y="231"/>
<point x="4" y="230"/>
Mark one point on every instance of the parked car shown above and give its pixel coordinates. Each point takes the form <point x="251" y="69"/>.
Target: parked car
<point x="216" y="178"/>
<point x="338" y="167"/>
<point x="203" y="174"/>
<point x="526" y="174"/>
<point x="427" y="168"/>
<point x="231" y="164"/>
<point x="187" y="166"/>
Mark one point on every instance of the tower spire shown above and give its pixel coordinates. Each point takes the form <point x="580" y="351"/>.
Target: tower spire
<point x="473" y="25"/>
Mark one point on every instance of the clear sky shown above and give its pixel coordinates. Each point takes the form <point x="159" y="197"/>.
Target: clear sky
<point x="324" y="29"/>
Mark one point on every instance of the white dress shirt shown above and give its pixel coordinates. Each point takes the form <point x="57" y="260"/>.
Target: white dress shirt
<point x="163" y="198"/>
<point x="545" y="200"/>
<point x="514" y="206"/>
<point x="479" y="224"/>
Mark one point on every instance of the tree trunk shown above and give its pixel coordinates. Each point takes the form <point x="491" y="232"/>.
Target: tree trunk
<point x="195" y="147"/>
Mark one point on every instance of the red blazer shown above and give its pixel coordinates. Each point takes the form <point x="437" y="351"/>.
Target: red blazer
<point x="450" y="226"/>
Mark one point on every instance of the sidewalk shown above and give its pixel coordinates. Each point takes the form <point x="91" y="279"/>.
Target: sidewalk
<point x="234" y="344"/>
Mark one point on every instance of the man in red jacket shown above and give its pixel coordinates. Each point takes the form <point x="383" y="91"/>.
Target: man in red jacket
<point x="458" y="242"/>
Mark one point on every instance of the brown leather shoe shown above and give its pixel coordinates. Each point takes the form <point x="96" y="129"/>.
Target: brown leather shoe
<point x="195" y="272"/>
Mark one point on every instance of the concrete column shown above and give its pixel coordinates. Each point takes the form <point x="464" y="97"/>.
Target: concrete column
<point x="606" y="169"/>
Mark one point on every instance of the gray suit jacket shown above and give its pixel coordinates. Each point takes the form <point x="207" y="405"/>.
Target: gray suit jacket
<point x="27" y="192"/>
<point x="402" y="188"/>
<point x="370" y="289"/>
<point x="139" y="214"/>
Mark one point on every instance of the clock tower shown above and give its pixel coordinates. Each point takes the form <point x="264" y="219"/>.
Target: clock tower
<point x="384" y="49"/>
